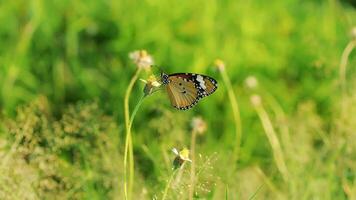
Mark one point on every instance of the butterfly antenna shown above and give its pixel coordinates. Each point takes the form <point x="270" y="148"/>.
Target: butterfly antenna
<point x="161" y="70"/>
<point x="154" y="66"/>
<point x="157" y="70"/>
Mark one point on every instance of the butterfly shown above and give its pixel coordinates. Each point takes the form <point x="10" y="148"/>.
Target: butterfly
<point x="186" y="89"/>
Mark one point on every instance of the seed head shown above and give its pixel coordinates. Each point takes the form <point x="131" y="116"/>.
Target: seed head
<point x="198" y="125"/>
<point x="219" y="64"/>
<point x="251" y="82"/>
<point x="353" y="33"/>
<point x="142" y="59"/>
<point x="255" y="100"/>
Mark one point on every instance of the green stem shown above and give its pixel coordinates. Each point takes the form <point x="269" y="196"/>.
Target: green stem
<point x="282" y="120"/>
<point x="132" y="163"/>
<point x="169" y="183"/>
<point x="136" y="109"/>
<point x="192" y="166"/>
<point x="236" y="112"/>
<point x="273" y="140"/>
<point x="128" y="142"/>
<point x="342" y="72"/>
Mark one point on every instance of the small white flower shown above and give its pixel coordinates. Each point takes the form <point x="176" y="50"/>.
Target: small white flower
<point x="219" y="64"/>
<point x="181" y="157"/>
<point x="151" y="85"/>
<point x="175" y="151"/>
<point x="353" y="33"/>
<point x="142" y="59"/>
<point x="156" y="84"/>
<point x="255" y="100"/>
<point x="198" y="125"/>
<point x="251" y="82"/>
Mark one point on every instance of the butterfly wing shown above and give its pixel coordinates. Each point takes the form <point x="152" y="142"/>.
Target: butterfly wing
<point x="182" y="92"/>
<point x="207" y="85"/>
<point x="186" y="89"/>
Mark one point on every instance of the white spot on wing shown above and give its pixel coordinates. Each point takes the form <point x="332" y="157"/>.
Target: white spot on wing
<point x="201" y="81"/>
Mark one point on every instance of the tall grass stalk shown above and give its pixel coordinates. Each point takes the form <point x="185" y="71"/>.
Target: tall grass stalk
<point x="192" y="167"/>
<point x="128" y="155"/>
<point x="168" y="184"/>
<point x="226" y="192"/>
<point x="271" y="135"/>
<point x="342" y="72"/>
<point x="252" y="84"/>
<point x="281" y="119"/>
<point x="234" y="105"/>
<point x="131" y="156"/>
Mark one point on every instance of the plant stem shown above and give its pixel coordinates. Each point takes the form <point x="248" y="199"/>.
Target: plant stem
<point x="236" y="112"/>
<point x="128" y="140"/>
<point x="133" y="114"/>
<point x="273" y="140"/>
<point x="192" y="167"/>
<point x="169" y="183"/>
<point x="131" y="156"/>
<point x="342" y="72"/>
<point x="282" y="120"/>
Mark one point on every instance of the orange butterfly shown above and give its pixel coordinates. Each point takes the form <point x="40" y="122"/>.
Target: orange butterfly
<point x="186" y="89"/>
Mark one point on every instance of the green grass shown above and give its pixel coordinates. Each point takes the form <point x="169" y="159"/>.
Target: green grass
<point x="64" y="71"/>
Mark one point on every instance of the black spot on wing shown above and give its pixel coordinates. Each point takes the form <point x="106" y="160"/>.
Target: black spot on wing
<point x="201" y="92"/>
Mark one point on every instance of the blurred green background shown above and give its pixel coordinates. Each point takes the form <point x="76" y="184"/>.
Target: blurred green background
<point x="64" y="70"/>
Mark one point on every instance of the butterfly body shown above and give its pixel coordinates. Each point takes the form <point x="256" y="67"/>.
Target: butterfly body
<point x="186" y="89"/>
